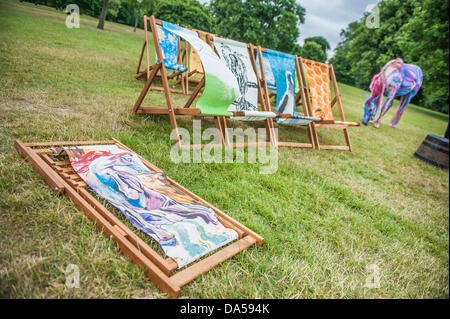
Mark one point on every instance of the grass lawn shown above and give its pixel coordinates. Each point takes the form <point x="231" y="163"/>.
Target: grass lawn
<point x="327" y="216"/>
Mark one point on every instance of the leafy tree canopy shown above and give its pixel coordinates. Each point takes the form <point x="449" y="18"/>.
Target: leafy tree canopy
<point x="312" y="50"/>
<point x="320" y="41"/>
<point x="189" y="13"/>
<point x="270" y="23"/>
<point x="415" y="30"/>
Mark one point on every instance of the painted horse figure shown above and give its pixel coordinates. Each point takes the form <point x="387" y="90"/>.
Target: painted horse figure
<point x="396" y="78"/>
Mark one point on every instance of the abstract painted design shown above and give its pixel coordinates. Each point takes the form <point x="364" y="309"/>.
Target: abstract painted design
<point x="396" y="78"/>
<point x="318" y="75"/>
<point x="221" y="87"/>
<point x="169" y="48"/>
<point x="283" y="68"/>
<point x="235" y="55"/>
<point x="185" y="229"/>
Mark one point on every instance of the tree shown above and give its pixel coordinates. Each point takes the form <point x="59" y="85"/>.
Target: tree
<point x="312" y="50"/>
<point x="270" y="23"/>
<point x="101" y="19"/>
<point x="321" y="41"/>
<point x="189" y="13"/>
<point x="416" y="31"/>
<point x="424" y="40"/>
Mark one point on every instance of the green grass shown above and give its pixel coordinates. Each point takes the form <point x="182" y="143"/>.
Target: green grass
<point x="325" y="215"/>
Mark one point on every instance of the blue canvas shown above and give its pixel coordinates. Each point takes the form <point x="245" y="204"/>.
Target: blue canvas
<point x="270" y="79"/>
<point x="283" y="68"/>
<point x="169" y="47"/>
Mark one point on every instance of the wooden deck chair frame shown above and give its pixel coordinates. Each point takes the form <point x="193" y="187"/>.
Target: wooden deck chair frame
<point x="261" y="97"/>
<point x="61" y="177"/>
<point x="300" y="96"/>
<point x="342" y="124"/>
<point x="182" y="58"/>
<point x="187" y="77"/>
<point x="172" y="111"/>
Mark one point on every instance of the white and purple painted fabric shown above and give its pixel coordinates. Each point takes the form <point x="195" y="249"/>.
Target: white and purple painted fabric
<point x="184" y="228"/>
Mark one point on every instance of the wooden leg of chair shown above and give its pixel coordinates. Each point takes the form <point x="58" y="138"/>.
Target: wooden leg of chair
<point x="347" y="139"/>
<point x="310" y="136"/>
<point x="217" y="121"/>
<point x="315" y="135"/>
<point x="225" y="131"/>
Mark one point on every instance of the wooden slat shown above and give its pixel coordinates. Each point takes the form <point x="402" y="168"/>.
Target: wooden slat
<point x="294" y="144"/>
<point x="50" y="176"/>
<point x="177" y="111"/>
<point x="147" y="85"/>
<point x="240" y="232"/>
<point x="68" y="143"/>
<point x="335" y="147"/>
<point x="187" y="275"/>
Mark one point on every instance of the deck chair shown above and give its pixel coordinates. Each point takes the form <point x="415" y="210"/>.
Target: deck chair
<point x="175" y="58"/>
<point x="184" y="225"/>
<point x="220" y="86"/>
<point x="195" y="67"/>
<point x="315" y="82"/>
<point x="284" y="68"/>
<point x="236" y="55"/>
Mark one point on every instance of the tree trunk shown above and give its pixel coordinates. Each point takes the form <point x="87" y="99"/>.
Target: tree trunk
<point x="135" y="23"/>
<point x="101" y="19"/>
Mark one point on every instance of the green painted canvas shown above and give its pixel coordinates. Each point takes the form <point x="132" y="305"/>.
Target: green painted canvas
<point x="221" y="86"/>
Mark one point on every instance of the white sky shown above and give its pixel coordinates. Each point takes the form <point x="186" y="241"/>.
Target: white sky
<point x="328" y="17"/>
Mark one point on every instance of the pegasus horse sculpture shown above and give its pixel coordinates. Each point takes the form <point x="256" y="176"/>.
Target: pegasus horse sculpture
<point x="396" y="78"/>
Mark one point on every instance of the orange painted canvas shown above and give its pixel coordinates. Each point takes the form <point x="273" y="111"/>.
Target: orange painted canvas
<point x="318" y="77"/>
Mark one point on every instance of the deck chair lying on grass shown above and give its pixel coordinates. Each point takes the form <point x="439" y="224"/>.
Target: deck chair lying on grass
<point x="173" y="57"/>
<point x="315" y="81"/>
<point x="185" y="226"/>
<point x="220" y="86"/>
<point x="284" y="69"/>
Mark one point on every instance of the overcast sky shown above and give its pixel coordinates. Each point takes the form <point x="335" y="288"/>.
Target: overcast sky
<point x="328" y="17"/>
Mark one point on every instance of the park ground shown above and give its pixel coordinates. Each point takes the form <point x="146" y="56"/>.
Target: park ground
<point x="332" y="221"/>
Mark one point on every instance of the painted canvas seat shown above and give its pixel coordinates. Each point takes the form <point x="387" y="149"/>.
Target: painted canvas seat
<point x="316" y="81"/>
<point x="284" y="71"/>
<point x="236" y="57"/>
<point x="169" y="47"/>
<point x="185" y="229"/>
<point x="219" y="84"/>
<point x="220" y="87"/>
